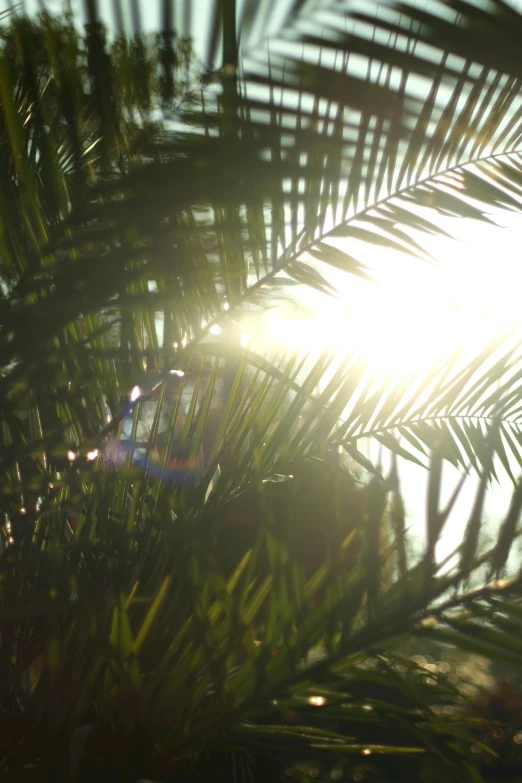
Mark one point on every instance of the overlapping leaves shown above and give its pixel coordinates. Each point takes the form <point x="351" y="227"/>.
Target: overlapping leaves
<point x="343" y="139"/>
<point x="358" y="138"/>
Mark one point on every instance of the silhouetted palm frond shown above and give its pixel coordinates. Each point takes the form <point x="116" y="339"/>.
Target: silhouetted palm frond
<point x="199" y="562"/>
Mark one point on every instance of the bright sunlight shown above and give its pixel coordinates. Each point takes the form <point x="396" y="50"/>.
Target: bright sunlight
<point x="414" y="314"/>
<point x="415" y="311"/>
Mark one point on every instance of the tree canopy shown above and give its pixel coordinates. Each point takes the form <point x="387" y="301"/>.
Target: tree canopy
<point x="141" y="184"/>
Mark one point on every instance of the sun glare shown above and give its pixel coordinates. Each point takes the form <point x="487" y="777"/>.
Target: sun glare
<point x="415" y="313"/>
<point x="396" y="328"/>
<point x="413" y="316"/>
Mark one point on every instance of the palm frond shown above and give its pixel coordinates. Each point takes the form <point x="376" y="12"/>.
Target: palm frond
<point x="415" y="163"/>
<point x="185" y="675"/>
<point x="195" y="557"/>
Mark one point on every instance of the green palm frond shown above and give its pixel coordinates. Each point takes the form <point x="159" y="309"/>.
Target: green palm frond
<point x="165" y="629"/>
<point x="358" y="188"/>
<point x="163" y="543"/>
<point x="194" y="256"/>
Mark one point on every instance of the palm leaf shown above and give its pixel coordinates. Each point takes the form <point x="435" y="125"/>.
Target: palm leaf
<point x="128" y="606"/>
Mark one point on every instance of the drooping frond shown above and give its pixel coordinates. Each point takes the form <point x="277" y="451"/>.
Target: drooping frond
<point x="329" y="140"/>
<point x="187" y="542"/>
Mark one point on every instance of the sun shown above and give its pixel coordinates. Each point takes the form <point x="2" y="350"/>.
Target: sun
<point x="415" y="313"/>
<point x="399" y="327"/>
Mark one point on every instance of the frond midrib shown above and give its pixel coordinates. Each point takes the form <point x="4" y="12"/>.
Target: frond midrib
<point x="285" y="259"/>
<point x="409" y="422"/>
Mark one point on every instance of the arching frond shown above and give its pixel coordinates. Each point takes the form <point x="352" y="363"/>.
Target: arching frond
<point x="333" y="140"/>
<point x="143" y="202"/>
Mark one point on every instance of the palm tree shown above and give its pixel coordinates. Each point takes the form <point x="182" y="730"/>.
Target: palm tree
<point x="135" y="184"/>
